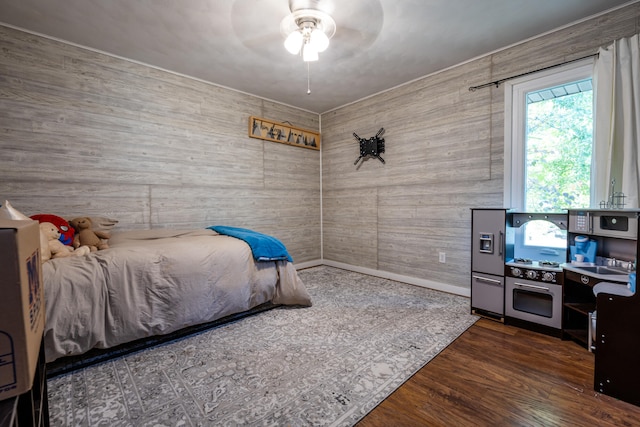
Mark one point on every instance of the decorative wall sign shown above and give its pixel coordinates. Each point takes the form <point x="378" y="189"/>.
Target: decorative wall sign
<point x="279" y="132"/>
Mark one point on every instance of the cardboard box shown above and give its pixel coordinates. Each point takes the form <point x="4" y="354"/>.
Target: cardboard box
<point x="22" y="309"/>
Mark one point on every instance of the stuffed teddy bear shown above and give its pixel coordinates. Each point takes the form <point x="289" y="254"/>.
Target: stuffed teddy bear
<point x="51" y="247"/>
<point x="86" y="236"/>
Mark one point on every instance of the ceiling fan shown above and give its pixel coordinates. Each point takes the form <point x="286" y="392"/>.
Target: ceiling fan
<point x="261" y="26"/>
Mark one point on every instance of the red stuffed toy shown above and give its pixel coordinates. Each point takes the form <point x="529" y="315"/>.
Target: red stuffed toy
<point x="66" y="231"/>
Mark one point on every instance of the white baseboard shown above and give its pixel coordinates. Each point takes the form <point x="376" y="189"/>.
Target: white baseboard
<point x="308" y="264"/>
<point x="457" y="290"/>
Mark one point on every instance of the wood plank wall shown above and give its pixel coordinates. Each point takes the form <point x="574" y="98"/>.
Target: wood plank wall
<point x="444" y="156"/>
<point x="84" y="133"/>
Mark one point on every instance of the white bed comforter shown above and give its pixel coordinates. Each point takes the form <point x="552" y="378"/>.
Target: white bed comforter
<point x="154" y="282"/>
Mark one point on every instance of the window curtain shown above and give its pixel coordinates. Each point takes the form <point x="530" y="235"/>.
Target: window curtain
<point x="617" y="122"/>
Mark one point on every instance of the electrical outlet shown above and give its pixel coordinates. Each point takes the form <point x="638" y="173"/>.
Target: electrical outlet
<point x="442" y="257"/>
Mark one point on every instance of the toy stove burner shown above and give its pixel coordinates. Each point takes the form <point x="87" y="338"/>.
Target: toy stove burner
<point x="523" y="261"/>
<point x="551" y="264"/>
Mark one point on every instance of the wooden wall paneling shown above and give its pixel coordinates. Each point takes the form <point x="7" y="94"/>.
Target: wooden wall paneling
<point x="603" y="30"/>
<point x="102" y="120"/>
<point x="291" y="215"/>
<point x="424" y="147"/>
<point x="203" y="206"/>
<point x="418" y="222"/>
<point x="13" y="42"/>
<point x="283" y="113"/>
<point x="150" y="148"/>
<point x="338" y="156"/>
<point x="496" y="127"/>
<point x="566" y="44"/>
<point x="426" y="127"/>
<point x="98" y="150"/>
<point x="294" y="217"/>
<point x="350" y="226"/>
<point x="287" y="166"/>
<point x="128" y="204"/>
<point x="135" y="92"/>
<point x="339" y="171"/>
<point x="428" y="95"/>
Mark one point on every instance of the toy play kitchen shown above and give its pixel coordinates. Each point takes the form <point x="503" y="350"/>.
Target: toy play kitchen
<point x="517" y="260"/>
<point x="570" y="275"/>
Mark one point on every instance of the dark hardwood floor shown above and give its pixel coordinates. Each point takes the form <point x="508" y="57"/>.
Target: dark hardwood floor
<point x="498" y="375"/>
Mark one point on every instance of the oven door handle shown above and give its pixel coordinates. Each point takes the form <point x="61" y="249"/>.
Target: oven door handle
<point x="525" y="285"/>
<point x="486" y="279"/>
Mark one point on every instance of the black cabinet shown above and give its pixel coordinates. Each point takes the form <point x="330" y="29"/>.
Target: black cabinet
<point x="579" y="303"/>
<point x="617" y="372"/>
<point x="30" y="408"/>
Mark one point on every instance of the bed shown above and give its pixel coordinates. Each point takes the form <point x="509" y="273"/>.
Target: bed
<point x="155" y="282"/>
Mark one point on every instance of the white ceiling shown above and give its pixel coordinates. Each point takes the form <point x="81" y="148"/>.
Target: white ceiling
<point x="379" y="44"/>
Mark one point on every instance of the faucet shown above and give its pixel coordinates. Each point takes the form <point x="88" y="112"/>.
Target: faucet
<point x="616" y="263"/>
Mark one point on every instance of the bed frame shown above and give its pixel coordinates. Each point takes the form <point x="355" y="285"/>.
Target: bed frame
<point x="94" y="356"/>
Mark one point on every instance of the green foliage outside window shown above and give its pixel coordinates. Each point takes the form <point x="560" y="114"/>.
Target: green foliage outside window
<point x="558" y="153"/>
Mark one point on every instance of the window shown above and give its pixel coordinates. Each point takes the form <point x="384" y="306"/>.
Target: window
<point x="558" y="142"/>
<point x="549" y="139"/>
<point x="548" y="146"/>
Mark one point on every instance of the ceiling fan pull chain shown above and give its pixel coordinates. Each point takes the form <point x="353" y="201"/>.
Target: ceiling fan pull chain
<point x="308" y="81"/>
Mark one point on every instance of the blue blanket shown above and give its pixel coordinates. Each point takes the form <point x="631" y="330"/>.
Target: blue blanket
<point x="263" y="247"/>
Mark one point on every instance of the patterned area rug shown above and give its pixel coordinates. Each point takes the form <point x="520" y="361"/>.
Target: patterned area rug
<point x="329" y="364"/>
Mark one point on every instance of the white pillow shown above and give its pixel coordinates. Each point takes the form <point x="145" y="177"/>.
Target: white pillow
<point x="9" y="212"/>
<point x="98" y="223"/>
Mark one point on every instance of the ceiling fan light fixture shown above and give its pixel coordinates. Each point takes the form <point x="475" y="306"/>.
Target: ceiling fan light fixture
<point x="319" y="40"/>
<point x="309" y="52"/>
<point x="293" y="42"/>
<point x="309" y="31"/>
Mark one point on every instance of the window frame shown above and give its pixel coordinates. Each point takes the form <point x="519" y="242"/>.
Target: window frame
<point x="515" y="92"/>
